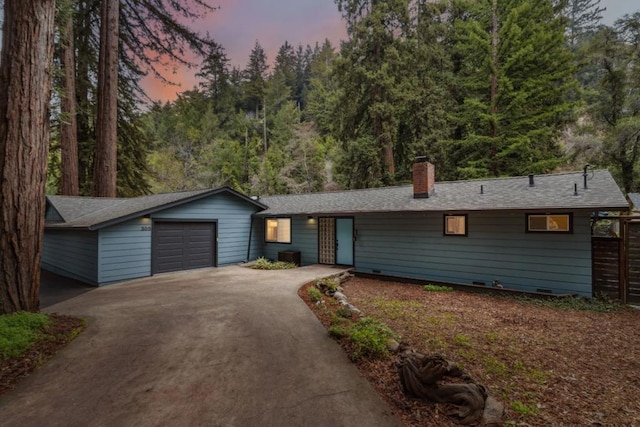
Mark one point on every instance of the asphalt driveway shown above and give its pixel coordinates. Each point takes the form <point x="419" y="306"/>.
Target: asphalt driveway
<point x="217" y="347"/>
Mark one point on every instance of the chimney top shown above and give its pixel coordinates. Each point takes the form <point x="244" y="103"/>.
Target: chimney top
<point x="424" y="177"/>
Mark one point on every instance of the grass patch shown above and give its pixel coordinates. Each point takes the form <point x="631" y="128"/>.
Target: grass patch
<point x="395" y="309"/>
<point x="315" y="294"/>
<point x="598" y="305"/>
<point x="523" y="408"/>
<point x="462" y="340"/>
<point x="264" y="264"/>
<point x="19" y="331"/>
<point x="437" y="288"/>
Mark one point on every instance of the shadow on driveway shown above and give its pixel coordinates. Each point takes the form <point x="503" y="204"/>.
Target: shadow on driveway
<point x="55" y="289"/>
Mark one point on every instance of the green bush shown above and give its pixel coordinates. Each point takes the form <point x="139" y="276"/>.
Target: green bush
<point x="436" y="288"/>
<point x="370" y="338"/>
<point x="598" y="305"/>
<point x="338" y="331"/>
<point x="328" y="284"/>
<point x="264" y="264"/>
<point x="19" y="331"/>
<point x="315" y="294"/>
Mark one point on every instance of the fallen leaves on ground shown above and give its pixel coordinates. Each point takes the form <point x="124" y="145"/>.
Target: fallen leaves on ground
<point x="58" y="334"/>
<point x="549" y="366"/>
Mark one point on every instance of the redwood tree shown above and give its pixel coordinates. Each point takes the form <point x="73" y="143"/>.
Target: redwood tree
<point x="105" y="161"/>
<point x="69" y="127"/>
<point x="25" y="85"/>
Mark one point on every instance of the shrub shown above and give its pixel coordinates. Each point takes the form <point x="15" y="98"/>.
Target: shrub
<point x="436" y="288"/>
<point x="337" y="331"/>
<point x="315" y="294"/>
<point x="264" y="264"/>
<point x="327" y="284"/>
<point x="370" y="338"/>
<point x="599" y="305"/>
<point x="19" y="331"/>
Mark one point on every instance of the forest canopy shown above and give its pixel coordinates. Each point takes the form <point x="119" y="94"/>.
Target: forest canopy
<point x="483" y="88"/>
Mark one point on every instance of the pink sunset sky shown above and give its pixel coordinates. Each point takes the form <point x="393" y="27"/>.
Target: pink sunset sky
<point x="237" y="24"/>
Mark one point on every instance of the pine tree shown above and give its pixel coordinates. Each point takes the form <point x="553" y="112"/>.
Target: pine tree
<point x="370" y="70"/>
<point x="255" y="75"/>
<point x="512" y="72"/>
<point x="583" y="18"/>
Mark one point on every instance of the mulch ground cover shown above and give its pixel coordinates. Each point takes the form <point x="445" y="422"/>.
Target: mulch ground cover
<point x="549" y="366"/>
<point x="58" y="334"/>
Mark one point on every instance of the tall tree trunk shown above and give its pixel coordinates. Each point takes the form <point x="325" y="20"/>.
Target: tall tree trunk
<point x="25" y="89"/>
<point x="69" y="127"/>
<point x="105" y="161"/>
<point x="494" y="87"/>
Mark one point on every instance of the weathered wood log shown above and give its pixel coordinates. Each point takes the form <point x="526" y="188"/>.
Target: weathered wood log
<point x="421" y="377"/>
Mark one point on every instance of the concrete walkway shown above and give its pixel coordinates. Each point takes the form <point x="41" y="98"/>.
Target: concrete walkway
<point x="217" y="347"/>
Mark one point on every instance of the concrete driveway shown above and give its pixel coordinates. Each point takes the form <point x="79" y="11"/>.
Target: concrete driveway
<point x="217" y="347"/>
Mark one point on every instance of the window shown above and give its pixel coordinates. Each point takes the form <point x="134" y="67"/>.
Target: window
<point x="455" y="225"/>
<point x="278" y="230"/>
<point x="547" y="223"/>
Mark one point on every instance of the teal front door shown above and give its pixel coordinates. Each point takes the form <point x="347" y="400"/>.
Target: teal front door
<point x="344" y="241"/>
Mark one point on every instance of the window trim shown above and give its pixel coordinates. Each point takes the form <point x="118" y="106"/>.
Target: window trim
<point x="466" y="225"/>
<point x="266" y="240"/>
<point x="569" y="216"/>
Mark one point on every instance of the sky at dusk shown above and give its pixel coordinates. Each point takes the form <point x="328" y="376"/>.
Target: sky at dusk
<point x="237" y="24"/>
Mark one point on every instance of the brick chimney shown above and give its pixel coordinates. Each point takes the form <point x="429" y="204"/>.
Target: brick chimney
<point x="424" y="178"/>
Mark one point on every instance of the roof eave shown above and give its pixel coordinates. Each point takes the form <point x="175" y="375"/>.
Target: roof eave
<point x="175" y="203"/>
<point x="505" y="209"/>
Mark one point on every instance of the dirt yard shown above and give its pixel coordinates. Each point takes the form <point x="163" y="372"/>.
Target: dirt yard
<point x="549" y="366"/>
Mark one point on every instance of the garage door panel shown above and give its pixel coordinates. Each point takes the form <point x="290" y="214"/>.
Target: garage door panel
<point x="183" y="245"/>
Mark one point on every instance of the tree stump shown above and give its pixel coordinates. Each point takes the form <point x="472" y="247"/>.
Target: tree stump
<point x="424" y="377"/>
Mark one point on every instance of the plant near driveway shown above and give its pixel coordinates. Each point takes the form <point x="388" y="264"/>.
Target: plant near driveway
<point x="370" y="338"/>
<point x="315" y="294"/>
<point x="18" y="332"/>
<point x="27" y="340"/>
<point x="264" y="264"/>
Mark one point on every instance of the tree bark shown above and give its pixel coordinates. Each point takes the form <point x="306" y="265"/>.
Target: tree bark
<point x="105" y="162"/>
<point x="25" y="89"/>
<point x="494" y="87"/>
<point x="69" y="126"/>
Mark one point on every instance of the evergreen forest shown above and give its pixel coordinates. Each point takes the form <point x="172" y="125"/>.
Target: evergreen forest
<point x="484" y="88"/>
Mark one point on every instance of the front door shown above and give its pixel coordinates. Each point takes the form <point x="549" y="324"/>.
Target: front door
<point x="344" y="241"/>
<point x="335" y="241"/>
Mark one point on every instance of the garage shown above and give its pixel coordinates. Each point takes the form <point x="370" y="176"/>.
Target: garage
<point x="102" y="240"/>
<point x="183" y="246"/>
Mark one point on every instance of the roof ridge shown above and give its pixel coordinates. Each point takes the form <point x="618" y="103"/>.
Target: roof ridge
<point x="499" y="178"/>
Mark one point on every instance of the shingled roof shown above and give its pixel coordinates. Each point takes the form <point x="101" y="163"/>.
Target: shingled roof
<point x="550" y="192"/>
<point x="94" y="213"/>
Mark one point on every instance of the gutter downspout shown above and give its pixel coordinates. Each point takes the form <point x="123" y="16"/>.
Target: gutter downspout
<point x="249" y="243"/>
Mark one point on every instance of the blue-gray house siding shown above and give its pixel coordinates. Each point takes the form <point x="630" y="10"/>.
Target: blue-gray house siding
<point x="304" y="238"/>
<point x="72" y="254"/>
<point x="123" y="251"/>
<point x="234" y="221"/>
<point x="496" y="248"/>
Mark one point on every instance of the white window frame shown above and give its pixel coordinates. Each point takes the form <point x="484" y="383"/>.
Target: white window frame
<point x="281" y="230"/>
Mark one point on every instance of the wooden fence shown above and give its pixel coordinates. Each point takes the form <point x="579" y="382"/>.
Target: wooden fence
<point x="616" y="263"/>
